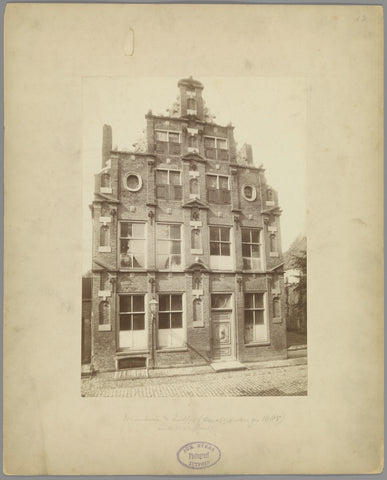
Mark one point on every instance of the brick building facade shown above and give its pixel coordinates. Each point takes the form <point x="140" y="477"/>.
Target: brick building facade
<point x="187" y="262"/>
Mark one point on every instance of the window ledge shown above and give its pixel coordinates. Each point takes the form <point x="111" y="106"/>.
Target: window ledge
<point x="128" y="353"/>
<point x="265" y="344"/>
<point x="274" y="254"/>
<point x="177" y="349"/>
<point x="104" y="249"/>
<point x="105" y="190"/>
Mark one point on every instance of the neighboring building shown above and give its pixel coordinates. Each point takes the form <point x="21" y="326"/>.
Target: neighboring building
<point x="86" y="318"/>
<point x="187" y="262"/>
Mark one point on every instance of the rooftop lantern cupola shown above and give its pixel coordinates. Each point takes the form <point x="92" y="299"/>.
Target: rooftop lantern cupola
<point x="191" y="101"/>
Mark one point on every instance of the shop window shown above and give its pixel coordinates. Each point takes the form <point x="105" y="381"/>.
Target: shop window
<point x="132" y="245"/>
<point x="256" y="330"/>
<point x="251" y="249"/>
<point x="132" y="333"/>
<point x="168" y="246"/>
<point x="170" y="324"/>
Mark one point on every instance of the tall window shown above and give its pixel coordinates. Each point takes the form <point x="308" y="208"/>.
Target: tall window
<point x="194" y="187"/>
<point x="104" y="236"/>
<point x="168" y="254"/>
<point x="197" y="313"/>
<point x="255" y="318"/>
<point x="132" y="245"/>
<point x="132" y="322"/>
<point x="170" y="331"/>
<point x="216" y="148"/>
<point x="196" y="239"/>
<point x="273" y="243"/>
<point x="168" y="184"/>
<point x="168" y="142"/>
<point x="105" y="180"/>
<point x="251" y="249"/>
<point x="220" y="248"/>
<point x="104" y="313"/>
<point x="276" y="307"/>
<point x="191" y="104"/>
<point x="218" y="187"/>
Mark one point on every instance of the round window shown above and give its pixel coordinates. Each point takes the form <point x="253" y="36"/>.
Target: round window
<point x="249" y="192"/>
<point x="133" y="182"/>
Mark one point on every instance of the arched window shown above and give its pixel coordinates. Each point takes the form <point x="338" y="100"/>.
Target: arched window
<point x="104" y="313"/>
<point x="276" y="307"/>
<point x="104" y="236"/>
<point x="105" y="180"/>
<point x="273" y="243"/>
<point x="197" y="313"/>
<point x="194" y="187"/>
<point x="269" y="194"/>
<point x="196" y="240"/>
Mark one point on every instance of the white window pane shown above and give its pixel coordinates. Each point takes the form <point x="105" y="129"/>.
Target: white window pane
<point x="138" y="230"/>
<point x="162" y="231"/>
<point x="125" y="339"/>
<point x="163" y="338"/>
<point x="163" y="247"/>
<point x="177" y="338"/>
<point x="139" y="339"/>
<point x="260" y="333"/>
<point x="162" y="261"/>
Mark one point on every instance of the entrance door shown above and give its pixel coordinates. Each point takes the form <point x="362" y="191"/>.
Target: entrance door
<point x="221" y="318"/>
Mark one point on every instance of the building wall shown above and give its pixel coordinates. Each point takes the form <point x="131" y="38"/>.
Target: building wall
<point x="119" y="204"/>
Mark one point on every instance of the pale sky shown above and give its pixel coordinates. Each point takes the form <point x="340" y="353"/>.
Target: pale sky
<point x="268" y="112"/>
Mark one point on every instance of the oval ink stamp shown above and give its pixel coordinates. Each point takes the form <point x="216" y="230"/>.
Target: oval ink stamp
<point x="198" y="455"/>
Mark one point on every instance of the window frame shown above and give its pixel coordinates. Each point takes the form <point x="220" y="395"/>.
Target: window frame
<point x="250" y="244"/>
<point x="222" y="262"/>
<point x="169" y="239"/>
<point x="254" y="309"/>
<point x="178" y="132"/>
<point x="217" y="175"/>
<point x="120" y="237"/>
<point x="183" y="328"/>
<point x="132" y="348"/>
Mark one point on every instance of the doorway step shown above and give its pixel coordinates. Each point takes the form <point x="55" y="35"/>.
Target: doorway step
<point x="228" y="366"/>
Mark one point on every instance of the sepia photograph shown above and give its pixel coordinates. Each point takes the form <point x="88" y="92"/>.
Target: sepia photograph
<point x="193" y="239"/>
<point x="195" y="257"/>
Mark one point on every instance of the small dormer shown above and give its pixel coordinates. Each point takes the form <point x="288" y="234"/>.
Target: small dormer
<point x="191" y="102"/>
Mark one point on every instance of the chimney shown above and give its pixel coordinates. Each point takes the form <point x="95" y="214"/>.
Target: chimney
<point x="246" y="154"/>
<point x="106" y="143"/>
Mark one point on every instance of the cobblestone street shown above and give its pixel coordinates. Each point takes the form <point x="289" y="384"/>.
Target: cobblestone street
<point x="274" y="381"/>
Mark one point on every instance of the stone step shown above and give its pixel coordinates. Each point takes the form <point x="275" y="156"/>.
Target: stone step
<point x="228" y="366"/>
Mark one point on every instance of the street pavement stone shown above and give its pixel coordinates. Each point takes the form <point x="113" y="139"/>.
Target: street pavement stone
<point x="277" y="381"/>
